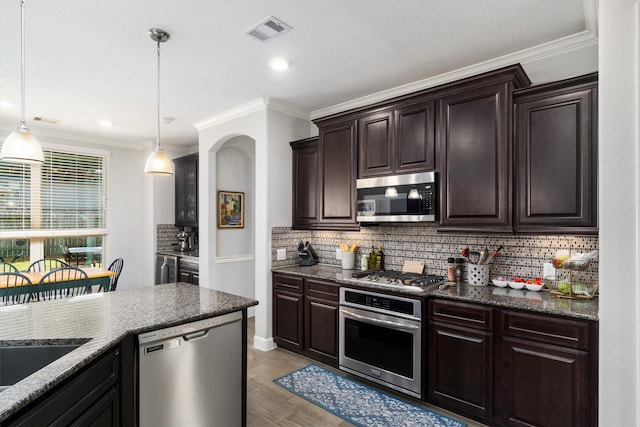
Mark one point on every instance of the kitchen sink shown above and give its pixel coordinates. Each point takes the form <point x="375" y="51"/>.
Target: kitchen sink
<point x="18" y="362"/>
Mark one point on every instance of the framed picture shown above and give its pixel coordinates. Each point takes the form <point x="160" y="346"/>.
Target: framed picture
<point x="230" y="209"/>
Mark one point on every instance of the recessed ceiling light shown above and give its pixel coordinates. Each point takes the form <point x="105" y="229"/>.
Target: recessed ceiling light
<point x="279" y="64"/>
<point x="105" y="123"/>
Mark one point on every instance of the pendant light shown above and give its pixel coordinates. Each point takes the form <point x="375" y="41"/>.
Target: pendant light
<point x="20" y="146"/>
<point x="158" y="162"/>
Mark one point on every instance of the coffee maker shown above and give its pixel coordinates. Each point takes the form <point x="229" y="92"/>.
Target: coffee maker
<point x="306" y="254"/>
<point x="186" y="240"/>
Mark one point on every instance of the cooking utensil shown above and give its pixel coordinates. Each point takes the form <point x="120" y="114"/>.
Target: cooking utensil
<point x="495" y="254"/>
<point x="465" y="252"/>
<point x="474" y="257"/>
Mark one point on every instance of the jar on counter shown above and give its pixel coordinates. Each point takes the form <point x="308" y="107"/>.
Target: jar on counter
<point x="364" y="262"/>
<point x="451" y="269"/>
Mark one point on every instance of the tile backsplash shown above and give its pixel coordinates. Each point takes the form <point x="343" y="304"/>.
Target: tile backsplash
<point x="166" y="236"/>
<point x="522" y="255"/>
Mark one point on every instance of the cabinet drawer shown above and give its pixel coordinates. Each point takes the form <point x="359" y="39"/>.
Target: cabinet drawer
<point x="462" y="314"/>
<point x="320" y="289"/>
<point x="289" y="283"/>
<point x="547" y="329"/>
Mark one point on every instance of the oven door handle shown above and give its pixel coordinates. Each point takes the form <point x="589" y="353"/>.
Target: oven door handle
<point x="382" y="322"/>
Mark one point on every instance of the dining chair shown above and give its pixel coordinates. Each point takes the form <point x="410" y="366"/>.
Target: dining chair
<point x="15" y="288"/>
<point x="62" y="283"/>
<point x="6" y="267"/>
<point x="115" y="266"/>
<point x="46" y="264"/>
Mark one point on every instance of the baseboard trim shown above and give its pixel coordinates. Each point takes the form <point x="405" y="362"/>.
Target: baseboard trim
<point x="263" y="344"/>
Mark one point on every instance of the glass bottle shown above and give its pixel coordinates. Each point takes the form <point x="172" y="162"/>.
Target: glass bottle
<point x="459" y="262"/>
<point x="373" y="258"/>
<point x="380" y="258"/>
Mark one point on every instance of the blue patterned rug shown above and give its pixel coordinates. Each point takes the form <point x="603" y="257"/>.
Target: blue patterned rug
<point x="357" y="403"/>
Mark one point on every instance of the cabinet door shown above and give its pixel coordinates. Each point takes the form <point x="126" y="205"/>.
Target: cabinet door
<point x="375" y="145"/>
<point x="544" y="385"/>
<point x="556" y="152"/>
<point x="473" y="140"/>
<point x="77" y="397"/>
<point x="186" y="188"/>
<point x="338" y="176"/>
<point x="305" y="184"/>
<point x="287" y="319"/>
<point x="104" y="413"/>
<point x="415" y="138"/>
<point x="460" y="362"/>
<point x="321" y="329"/>
<point x="184" y="276"/>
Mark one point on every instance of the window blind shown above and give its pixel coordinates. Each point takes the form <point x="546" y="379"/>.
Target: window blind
<point x="15" y="196"/>
<point x="67" y="192"/>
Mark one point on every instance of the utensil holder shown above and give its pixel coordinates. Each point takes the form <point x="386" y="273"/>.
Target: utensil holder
<point x="478" y="274"/>
<point x="348" y="260"/>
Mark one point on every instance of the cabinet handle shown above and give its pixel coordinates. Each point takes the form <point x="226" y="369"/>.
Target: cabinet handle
<point x="381" y="322"/>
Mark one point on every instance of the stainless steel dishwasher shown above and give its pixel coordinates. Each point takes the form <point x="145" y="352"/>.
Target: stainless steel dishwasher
<point x="191" y="374"/>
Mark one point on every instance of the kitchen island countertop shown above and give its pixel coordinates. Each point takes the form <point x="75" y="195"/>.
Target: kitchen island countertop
<point x="103" y="319"/>
<point x="542" y="302"/>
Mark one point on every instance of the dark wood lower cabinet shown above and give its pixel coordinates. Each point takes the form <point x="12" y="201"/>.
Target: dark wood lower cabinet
<point x="321" y="320"/>
<point x="461" y="369"/>
<point x="305" y="316"/>
<point x="544" y="385"/>
<point x="460" y="364"/>
<point x="98" y="395"/>
<point x="189" y="272"/>
<point x="512" y="368"/>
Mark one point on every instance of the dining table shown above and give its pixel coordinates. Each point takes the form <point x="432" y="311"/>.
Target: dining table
<point x="98" y="277"/>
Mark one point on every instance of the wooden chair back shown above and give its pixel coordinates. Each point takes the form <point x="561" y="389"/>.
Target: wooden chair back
<point x="15" y="288"/>
<point x="115" y="266"/>
<point x="6" y="267"/>
<point x="63" y="283"/>
<point x="47" y="264"/>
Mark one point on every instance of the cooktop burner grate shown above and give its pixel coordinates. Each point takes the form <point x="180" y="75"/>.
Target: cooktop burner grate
<point x="397" y="278"/>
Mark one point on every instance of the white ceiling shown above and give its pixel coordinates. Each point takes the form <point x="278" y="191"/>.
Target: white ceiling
<point x="90" y="60"/>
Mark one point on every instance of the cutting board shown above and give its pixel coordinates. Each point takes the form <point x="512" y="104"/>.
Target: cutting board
<point x="413" y="267"/>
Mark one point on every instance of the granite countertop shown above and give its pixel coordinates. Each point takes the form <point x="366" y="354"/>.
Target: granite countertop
<point x="542" y="301"/>
<point x="188" y="254"/>
<point x="103" y="319"/>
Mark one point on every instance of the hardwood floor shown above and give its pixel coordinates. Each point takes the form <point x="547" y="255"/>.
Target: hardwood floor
<point x="271" y="405"/>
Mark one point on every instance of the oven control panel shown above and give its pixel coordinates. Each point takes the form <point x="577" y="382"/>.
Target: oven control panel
<point x="380" y="302"/>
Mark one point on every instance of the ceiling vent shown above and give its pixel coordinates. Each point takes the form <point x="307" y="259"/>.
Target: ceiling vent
<point x="268" y="29"/>
<point x="45" y="120"/>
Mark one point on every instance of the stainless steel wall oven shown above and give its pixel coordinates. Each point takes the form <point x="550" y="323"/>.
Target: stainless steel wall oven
<point x="380" y="339"/>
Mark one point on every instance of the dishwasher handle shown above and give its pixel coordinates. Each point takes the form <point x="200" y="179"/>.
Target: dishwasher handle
<point x="196" y="335"/>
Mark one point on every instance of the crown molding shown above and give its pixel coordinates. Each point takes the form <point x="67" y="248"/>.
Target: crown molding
<point x="259" y="104"/>
<point x="570" y="43"/>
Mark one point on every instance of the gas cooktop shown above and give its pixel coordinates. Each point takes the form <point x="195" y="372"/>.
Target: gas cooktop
<point x="397" y="279"/>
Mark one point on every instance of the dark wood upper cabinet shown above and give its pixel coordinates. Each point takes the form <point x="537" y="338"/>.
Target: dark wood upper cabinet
<point x="415" y="138"/>
<point x="474" y="145"/>
<point x="556" y="157"/>
<point x="337" y="176"/>
<point x="186" y="188"/>
<point x="305" y="183"/>
<point x="397" y="141"/>
<point x="375" y="145"/>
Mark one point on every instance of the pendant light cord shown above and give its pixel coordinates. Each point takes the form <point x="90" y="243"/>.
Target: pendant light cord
<point x="23" y="125"/>
<point x="158" y="92"/>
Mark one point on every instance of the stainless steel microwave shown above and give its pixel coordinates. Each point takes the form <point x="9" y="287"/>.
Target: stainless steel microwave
<point x="397" y="198"/>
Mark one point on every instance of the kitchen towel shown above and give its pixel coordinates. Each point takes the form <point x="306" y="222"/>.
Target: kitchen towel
<point x="357" y="403"/>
